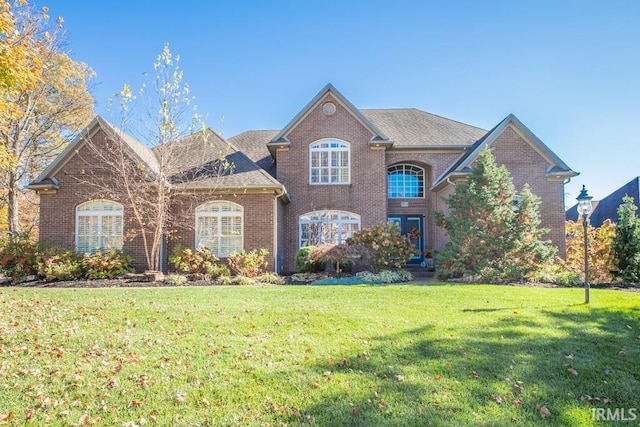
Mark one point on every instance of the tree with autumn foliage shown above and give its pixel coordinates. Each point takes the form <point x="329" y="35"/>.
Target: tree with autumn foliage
<point x="600" y="252"/>
<point x="45" y="98"/>
<point x="494" y="233"/>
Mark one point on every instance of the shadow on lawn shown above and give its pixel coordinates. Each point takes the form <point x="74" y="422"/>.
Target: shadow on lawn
<point x="422" y="377"/>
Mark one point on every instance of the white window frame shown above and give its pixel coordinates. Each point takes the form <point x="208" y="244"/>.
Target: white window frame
<point x="346" y="223"/>
<point x="99" y="208"/>
<point x="220" y="209"/>
<point x="407" y="168"/>
<point x="329" y="147"/>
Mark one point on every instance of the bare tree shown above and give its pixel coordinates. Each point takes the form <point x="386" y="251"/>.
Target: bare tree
<point x="178" y="155"/>
<point x="39" y="112"/>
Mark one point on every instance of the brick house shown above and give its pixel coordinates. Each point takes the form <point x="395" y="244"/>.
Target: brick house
<point x="331" y="170"/>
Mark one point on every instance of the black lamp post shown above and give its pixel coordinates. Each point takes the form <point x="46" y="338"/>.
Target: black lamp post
<point x="585" y="208"/>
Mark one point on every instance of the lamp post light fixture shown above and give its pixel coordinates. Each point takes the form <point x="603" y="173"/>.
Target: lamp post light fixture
<point x="585" y="208"/>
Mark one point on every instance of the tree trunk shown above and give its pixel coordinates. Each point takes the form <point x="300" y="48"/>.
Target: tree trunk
<point x="13" y="211"/>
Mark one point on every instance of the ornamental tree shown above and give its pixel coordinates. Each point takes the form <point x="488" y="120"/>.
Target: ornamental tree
<point x="600" y="252"/>
<point x="494" y="233"/>
<point x="163" y="117"/>
<point x="626" y="243"/>
<point x="388" y="247"/>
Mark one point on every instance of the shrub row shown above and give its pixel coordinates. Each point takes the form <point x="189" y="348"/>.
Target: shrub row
<point x="26" y="257"/>
<point x="203" y="263"/>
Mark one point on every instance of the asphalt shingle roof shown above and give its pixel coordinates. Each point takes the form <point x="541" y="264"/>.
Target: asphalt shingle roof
<point x="254" y="144"/>
<point x="411" y="127"/>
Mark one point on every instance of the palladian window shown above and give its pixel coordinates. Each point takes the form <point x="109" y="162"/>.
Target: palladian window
<point x="329" y="162"/>
<point x="219" y="227"/>
<point x="405" y="182"/>
<point x="99" y="224"/>
<point x="327" y="227"/>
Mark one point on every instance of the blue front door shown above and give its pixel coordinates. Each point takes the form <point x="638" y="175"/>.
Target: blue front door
<point x="411" y="226"/>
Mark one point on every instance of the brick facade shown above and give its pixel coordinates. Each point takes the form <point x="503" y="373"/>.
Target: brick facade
<point x="271" y="219"/>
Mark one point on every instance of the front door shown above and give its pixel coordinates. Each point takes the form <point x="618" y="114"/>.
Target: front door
<point x="413" y="227"/>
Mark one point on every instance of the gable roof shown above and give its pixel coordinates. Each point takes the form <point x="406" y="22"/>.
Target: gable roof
<point x="281" y="137"/>
<point x="137" y="149"/>
<point x="557" y="168"/>
<point x="195" y="150"/>
<point x="607" y="208"/>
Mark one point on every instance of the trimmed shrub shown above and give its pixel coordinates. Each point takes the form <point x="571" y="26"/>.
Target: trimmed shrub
<point x="388" y="247"/>
<point x="304" y="262"/>
<point x="236" y="281"/>
<point x="248" y="264"/>
<point x="200" y="261"/>
<point x="107" y="264"/>
<point x="385" y="276"/>
<point x="20" y="258"/>
<point x="557" y="274"/>
<point x="270" y="279"/>
<point x="176" y="279"/>
<point x="59" y="264"/>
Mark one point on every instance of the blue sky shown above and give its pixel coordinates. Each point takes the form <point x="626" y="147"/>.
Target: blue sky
<point x="569" y="70"/>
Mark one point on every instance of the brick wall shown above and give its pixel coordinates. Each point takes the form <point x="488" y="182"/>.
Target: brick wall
<point x="527" y="166"/>
<point x="58" y="211"/>
<point x="365" y="196"/>
<point x="258" y="221"/>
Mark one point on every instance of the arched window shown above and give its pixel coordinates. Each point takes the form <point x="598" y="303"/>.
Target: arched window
<point x="405" y="182"/>
<point x="99" y="224"/>
<point x="329" y="162"/>
<point x="219" y="227"/>
<point x="327" y="227"/>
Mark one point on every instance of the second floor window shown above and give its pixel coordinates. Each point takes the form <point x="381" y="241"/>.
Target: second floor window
<point x="405" y="182"/>
<point x="329" y="162"/>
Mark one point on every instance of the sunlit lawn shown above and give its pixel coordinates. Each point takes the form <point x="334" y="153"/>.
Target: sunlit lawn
<point x="329" y="355"/>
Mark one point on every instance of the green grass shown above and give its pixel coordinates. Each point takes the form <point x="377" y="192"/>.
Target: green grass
<point x="329" y="355"/>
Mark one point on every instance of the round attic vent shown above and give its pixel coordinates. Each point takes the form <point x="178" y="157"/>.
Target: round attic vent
<point x="329" y="108"/>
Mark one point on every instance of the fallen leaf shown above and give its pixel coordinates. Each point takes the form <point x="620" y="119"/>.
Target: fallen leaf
<point x="517" y="388"/>
<point x="86" y="420"/>
<point x="315" y="384"/>
<point x="544" y="412"/>
<point x="400" y="378"/>
<point x="498" y="399"/>
<point x="622" y="353"/>
<point x="573" y="372"/>
<point x="607" y="401"/>
<point x="569" y="356"/>
<point x="586" y="397"/>
<point x="5" y="418"/>
<point x="180" y="398"/>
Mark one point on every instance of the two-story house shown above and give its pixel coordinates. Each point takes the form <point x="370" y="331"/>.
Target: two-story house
<point x="332" y="170"/>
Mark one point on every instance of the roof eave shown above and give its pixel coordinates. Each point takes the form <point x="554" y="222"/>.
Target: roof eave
<point x="397" y="147"/>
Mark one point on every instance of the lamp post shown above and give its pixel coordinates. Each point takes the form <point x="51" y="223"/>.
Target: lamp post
<point x="585" y="208"/>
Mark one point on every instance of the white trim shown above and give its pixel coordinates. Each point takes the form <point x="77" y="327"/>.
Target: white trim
<point x="322" y="217"/>
<point x="404" y="165"/>
<point x="314" y="148"/>
<point x="206" y="210"/>
<point x="99" y="213"/>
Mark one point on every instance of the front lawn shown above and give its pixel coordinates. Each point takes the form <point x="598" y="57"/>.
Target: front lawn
<point x="329" y="355"/>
